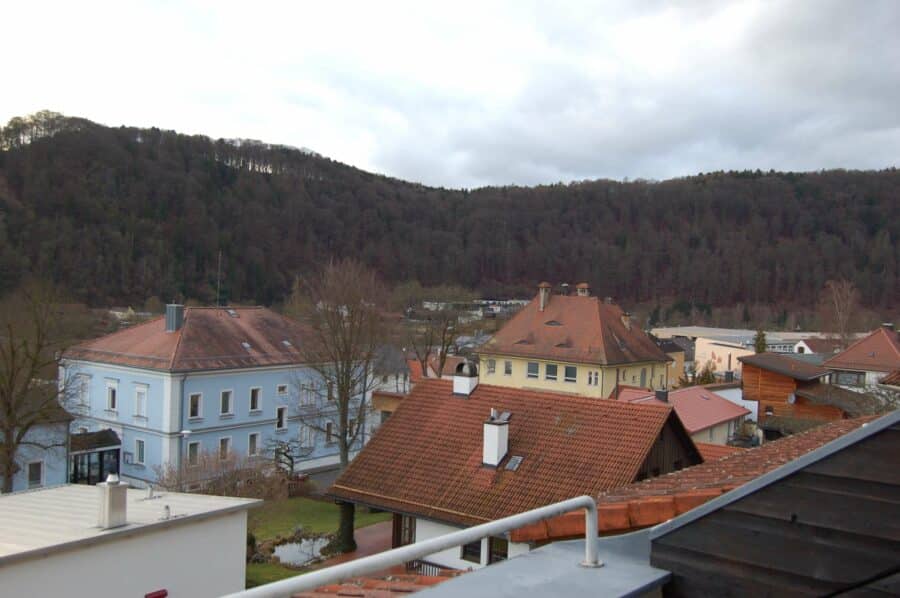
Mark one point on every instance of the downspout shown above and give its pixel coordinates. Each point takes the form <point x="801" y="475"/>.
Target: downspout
<point x="180" y="422"/>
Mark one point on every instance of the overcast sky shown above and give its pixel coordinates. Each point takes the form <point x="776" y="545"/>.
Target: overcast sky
<point x="464" y="95"/>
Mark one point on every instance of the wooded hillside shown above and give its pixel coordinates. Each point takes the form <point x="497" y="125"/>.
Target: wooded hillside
<point x="118" y="215"/>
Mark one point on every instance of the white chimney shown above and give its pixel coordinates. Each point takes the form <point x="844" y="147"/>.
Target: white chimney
<point x="496" y="438"/>
<point x="583" y="289"/>
<point x="113" y="497"/>
<point x="543" y="295"/>
<point x="465" y="379"/>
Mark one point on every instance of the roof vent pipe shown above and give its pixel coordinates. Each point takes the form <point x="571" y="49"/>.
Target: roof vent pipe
<point x="113" y="499"/>
<point x="174" y="317"/>
<point x="543" y="295"/>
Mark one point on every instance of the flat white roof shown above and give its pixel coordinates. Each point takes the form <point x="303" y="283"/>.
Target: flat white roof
<point x="35" y="522"/>
<point x="732" y="334"/>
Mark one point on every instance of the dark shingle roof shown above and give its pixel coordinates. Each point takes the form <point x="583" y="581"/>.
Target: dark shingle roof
<point x="89" y="441"/>
<point x="782" y="363"/>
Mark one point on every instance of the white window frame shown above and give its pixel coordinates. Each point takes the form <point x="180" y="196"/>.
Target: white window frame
<point x="112" y="405"/>
<point x="190" y="462"/>
<point x="284" y="420"/>
<point x="258" y="408"/>
<point x="507" y="368"/>
<point x="199" y="396"/>
<point x="281" y="390"/>
<point x="140" y="456"/>
<point x="83" y="384"/>
<point x="566" y="377"/>
<point x="536" y="374"/>
<point x="547" y="376"/>
<point x="40" y="484"/>
<point x="230" y="402"/>
<point x="139" y="409"/>
<point x="227" y="440"/>
<point x="491" y="366"/>
<point x="305" y="436"/>
<point x="250" y="437"/>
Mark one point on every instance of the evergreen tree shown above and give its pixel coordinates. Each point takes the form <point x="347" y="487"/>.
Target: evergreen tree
<point x="759" y="341"/>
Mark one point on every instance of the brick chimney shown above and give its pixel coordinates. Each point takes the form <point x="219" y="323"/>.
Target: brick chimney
<point x="543" y="295"/>
<point x="496" y="438"/>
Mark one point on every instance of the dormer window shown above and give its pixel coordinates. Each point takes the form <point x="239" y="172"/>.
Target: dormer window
<point x="552" y="323"/>
<point x="245" y="345"/>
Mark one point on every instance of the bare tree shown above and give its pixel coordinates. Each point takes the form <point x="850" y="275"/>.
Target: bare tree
<point x="430" y="339"/>
<point x="286" y="452"/>
<point x="342" y="307"/>
<point x="32" y="333"/>
<point x="837" y="307"/>
<point x="224" y="475"/>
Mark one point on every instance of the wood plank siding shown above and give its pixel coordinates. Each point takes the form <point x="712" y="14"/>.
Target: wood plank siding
<point x="833" y="526"/>
<point x="773" y="391"/>
<point x="673" y="450"/>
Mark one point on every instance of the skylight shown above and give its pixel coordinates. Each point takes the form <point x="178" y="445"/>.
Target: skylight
<point x="286" y="343"/>
<point x="245" y="345"/>
<point x="552" y="323"/>
<point x="514" y="462"/>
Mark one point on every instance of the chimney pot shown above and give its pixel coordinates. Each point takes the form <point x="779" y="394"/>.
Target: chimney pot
<point x="113" y="502"/>
<point x="174" y="317"/>
<point x="465" y="379"/>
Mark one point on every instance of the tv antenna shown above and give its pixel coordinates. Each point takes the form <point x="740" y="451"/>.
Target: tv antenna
<point x="219" y="279"/>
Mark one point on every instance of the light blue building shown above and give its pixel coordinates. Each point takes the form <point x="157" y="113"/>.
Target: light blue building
<point x="41" y="455"/>
<point x="197" y="383"/>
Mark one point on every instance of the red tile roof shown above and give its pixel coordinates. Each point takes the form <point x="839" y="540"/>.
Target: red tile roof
<point x="575" y="329"/>
<point x="877" y="352"/>
<point x="426" y="459"/>
<point x="892" y="379"/>
<point x="697" y="407"/>
<point x="209" y="339"/>
<point x="626" y="393"/>
<point x="379" y="587"/>
<point x="822" y="345"/>
<point x="415" y="370"/>
<point x="712" y="452"/>
<point x="784" y="364"/>
<point x="659" y="499"/>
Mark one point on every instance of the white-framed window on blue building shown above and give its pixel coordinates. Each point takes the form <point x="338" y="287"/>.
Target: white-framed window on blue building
<point x="195" y="405"/>
<point x="138" y="451"/>
<point x="253" y="444"/>
<point x="35" y="474"/>
<point x="255" y="399"/>
<point x="306" y="436"/>
<point x="193" y="454"/>
<point x="329" y="433"/>
<point x="281" y="418"/>
<point x="112" y="398"/>
<point x="224" y="447"/>
<point x="281" y="390"/>
<point x="226" y="403"/>
<point x="83" y="392"/>
<point x="308" y="394"/>
<point x="140" y="401"/>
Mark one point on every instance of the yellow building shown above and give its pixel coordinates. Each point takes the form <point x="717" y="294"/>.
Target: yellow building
<point x="573" y="344"/>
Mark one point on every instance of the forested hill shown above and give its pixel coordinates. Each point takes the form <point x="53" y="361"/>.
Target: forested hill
<point x="118" y="215"/>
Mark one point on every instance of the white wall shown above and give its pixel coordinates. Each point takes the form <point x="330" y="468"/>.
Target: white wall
<point x="736" y="396"/>
<point x="425" y="530"/>
<point x="193" y="559"/>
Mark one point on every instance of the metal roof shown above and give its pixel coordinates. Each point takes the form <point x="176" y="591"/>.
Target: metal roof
<point x="39" y="522"/>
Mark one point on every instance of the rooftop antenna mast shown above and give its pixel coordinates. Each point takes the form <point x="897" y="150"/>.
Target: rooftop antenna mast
<point x="219" y="279"/>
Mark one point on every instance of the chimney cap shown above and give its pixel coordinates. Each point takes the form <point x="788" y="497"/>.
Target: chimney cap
<point x="467" y="369"/>
<point x="544" y="285"/>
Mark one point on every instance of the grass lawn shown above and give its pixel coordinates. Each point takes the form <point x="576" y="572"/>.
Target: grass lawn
<point x="280" y="517"/>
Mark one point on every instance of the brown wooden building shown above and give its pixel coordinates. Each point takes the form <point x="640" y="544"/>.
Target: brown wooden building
<point x="777" y="382"/>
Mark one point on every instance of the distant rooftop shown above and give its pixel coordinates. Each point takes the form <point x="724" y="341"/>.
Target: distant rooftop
<point x="731" y="334"/>
<point x="38" y="522"/>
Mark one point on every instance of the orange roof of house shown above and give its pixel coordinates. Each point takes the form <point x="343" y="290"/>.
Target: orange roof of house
<point x="697" y="407"/>
<point x="892" y="379"/>
<point x="712" y="452"/>
<point x="426" y="460"/>
<point x="575" y="329"/>
<point x="209" y="339"/>
<point x="877" y="352"/>
<point x="415" y="370"/>
<point x="379" y="587"/>
<point x="624" y="392"/>
<point x="659" y="499"/>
